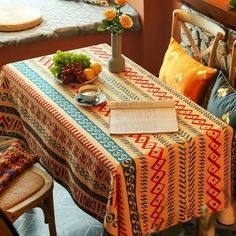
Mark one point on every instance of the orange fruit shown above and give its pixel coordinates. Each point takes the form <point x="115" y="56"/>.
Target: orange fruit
<point x="89" y="73"/>
<point x="96" y="67"/>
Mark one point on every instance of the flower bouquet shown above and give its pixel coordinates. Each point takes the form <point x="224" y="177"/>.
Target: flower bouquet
<point x="115" y="22"/>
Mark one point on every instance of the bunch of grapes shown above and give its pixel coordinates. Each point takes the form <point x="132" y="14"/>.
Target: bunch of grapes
<point x="73" y="73"/>
<point x="69" y="66"/>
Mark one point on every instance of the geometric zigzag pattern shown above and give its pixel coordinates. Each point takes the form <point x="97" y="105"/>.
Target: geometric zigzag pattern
<point x="162" y="170"/>
<point x="213" y="191"/>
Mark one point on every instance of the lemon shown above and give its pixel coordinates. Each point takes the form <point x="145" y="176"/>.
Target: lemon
<point x="96" y="67"/>
<point x="89" y="73"/>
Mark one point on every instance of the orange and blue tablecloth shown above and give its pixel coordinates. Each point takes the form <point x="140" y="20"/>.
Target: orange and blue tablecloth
<point x="131" y="183"/>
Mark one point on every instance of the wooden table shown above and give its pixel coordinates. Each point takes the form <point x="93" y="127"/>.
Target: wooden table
<point x="131" y="183"/>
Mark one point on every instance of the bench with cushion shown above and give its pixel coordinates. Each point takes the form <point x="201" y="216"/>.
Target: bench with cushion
<point x="146" y="45"/>
<point x="66" y="25"/>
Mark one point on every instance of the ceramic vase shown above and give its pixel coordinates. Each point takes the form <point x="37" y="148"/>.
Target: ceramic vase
<point x="116" y="62"/>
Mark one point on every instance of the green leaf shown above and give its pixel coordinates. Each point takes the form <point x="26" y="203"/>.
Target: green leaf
<point x="101" y="28"/>
<point x="233" y="3"/>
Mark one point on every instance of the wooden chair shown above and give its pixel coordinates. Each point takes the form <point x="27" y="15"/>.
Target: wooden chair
<point x="180" y="20"/>
<point x="6" y="227"/>
<point x="32" y="188"/>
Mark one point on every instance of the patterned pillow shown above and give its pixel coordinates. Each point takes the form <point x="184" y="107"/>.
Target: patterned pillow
<point x="222" y="101"/>
<point x="14" y="161"/>
<point x="184" y="74"/>
<point x="98" y="2"/>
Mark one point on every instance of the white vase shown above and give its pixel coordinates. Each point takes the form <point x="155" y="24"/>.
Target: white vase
<point x="116" y="62"/>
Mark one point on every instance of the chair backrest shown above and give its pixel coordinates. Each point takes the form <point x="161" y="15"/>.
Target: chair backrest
<point x="181" y="18"/>
<point x="232" y="69"/>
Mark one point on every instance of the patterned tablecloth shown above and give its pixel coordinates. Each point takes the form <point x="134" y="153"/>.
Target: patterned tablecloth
<point x="131" y="183"/>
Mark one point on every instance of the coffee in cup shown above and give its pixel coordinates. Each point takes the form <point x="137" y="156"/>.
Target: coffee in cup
<point x="89" y="93"/>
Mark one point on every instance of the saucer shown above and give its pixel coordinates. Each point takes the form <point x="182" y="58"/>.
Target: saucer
<point x="99" y="100"/>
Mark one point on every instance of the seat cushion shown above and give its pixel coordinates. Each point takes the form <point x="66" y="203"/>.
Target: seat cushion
<point x="15" y="17"/>
<point x="185" y="74"/>
<point x="21" y="188"/>
<point x="13" y="162"/>
<point x="62" y="19"/>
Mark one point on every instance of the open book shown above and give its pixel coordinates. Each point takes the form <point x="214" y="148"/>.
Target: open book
<point x="143" y="117"/>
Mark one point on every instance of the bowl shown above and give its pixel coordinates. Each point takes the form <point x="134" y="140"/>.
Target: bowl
<point x="80" y="84"/>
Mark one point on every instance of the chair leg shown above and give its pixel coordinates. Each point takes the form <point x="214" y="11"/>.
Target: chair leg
<point x="48" y="210"/>
<point x="206" y="225"/>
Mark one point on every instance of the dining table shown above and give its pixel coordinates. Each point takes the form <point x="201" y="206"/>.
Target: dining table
<point x="132" y="183"/>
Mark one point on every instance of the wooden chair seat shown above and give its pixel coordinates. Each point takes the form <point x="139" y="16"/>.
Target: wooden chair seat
<point x="18" y="193"/>
<point x="32" y="188"/>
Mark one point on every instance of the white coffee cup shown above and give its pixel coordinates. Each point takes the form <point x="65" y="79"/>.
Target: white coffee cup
<point x="89" y="93"/>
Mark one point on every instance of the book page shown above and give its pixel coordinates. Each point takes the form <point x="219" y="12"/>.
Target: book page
<point x="143" y="117"/>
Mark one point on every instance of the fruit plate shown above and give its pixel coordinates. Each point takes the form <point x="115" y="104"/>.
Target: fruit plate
<point x="79" y="84"/>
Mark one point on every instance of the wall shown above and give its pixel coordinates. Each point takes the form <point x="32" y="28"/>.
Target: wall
<point x="156" y="18"/>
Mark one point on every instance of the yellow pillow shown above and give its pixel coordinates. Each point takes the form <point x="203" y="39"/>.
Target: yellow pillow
<point x="184" y="74"/>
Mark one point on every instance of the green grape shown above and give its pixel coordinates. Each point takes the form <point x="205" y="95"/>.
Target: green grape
<point x="54" y="71"/>
<point x="73" y="58"/>
<point x="61" y="59"/>
<point x="86" y="64"/>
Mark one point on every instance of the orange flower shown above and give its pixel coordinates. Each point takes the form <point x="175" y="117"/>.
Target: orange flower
<point x="109" y="14"/>
<point x="126" y="21"/>
<point x="115" y="20"/>
<point x="120" y="2"/>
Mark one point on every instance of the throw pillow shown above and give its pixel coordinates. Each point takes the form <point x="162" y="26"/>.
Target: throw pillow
<point x="14" y="161"/>
<point x="184" y="74"/>
<point x="98" y="2"/>
<point x="222" y="101"/>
